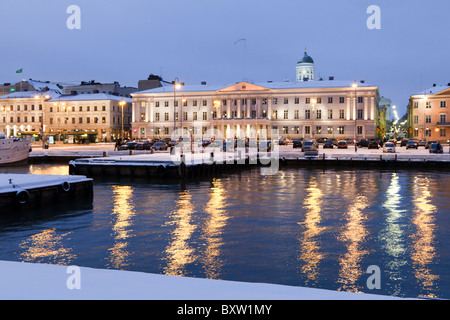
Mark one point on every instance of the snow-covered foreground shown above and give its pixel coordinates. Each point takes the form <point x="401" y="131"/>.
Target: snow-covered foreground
<point x="28" y="281"/>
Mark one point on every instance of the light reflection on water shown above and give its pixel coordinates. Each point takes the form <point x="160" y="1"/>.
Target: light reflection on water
<point x="317" y="228"/>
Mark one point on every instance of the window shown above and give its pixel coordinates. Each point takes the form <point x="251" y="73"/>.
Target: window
<point x="73" y="120"/>
<point x="416" y="133"/>
<point x="205" y="103"/>
<point x="275" y="114"/>
<point x="103" y="119"/>
<point x="88" y="120"/>
<point x="318" y="129"/>
<point x="319" y="114"/>
<point x="286" y="114"/>
<point x="80" y="120"/>
<point x="296" y="130"/>
<point x="205" y="115"/>
<point x="286" y="101"/>
<point x="360" y="113"/>
<point x="194" y="116"/>
<point x="285" y="130"/>
<point x="442" y="132"/>
<point x="427" y="119"/>
<point x="330" y="99"/>
<point x="308" y="100"/>
<point x="275" y="101"/>
<point x="307" y="114"/>
<point x="176" y="116"/>
<point x="416" y="104"/>
<point x="341" y="130"/>
<point x="307" y="129"/>
<point x="330" y="130"/>
<point x="157" y="104"/>
<point x="416" y="119"/>
<point x="428" y="104"/>
<point x="443" y="118"/>
<point x="330" y="114"/>
<point x="166" y="116"/>
<point x="341" y="99"/>
<point x="319" y="100"/>
<point x="194" y="103"/>
<point x="157" y="131"/>
<point x="166" y="103"/>
<point x="360" y="129"/>
<point x="156" y="116"/>
<point x="428" y="133"/>
<point x="296" y="100"/>
<point x="185" y="116"/>
<point x="360" y="99"/>
<point x="166" y="130"/>
<point x="184" y="103"/>
<point x="142" y="116"/>
<point x="103" y="108"/>
<point x="443" y="104"/>
<point x="341" y="114"/>
<point x="296" y="114"/>
<point x="80" y="109"/>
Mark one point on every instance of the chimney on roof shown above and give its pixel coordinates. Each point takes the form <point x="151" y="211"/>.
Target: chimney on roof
<point x="448" y="84"/>
<point x="434" y="85"/>
<point x="363" y="81"/>
<point x="203" y="83"/>
<point x="331" y="78"/>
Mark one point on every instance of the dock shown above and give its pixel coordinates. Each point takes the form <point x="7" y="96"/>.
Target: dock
<point x="25" y="191"/>
<point x="163" y="165"/>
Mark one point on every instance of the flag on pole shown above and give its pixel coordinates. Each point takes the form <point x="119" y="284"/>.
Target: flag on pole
<point x="19" y="71"/>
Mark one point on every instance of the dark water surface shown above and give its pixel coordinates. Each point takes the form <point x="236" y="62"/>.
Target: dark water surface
<point x="313" y="228"/>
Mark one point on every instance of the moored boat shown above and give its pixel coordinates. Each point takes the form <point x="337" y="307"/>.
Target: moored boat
<point x="13" y="150"/>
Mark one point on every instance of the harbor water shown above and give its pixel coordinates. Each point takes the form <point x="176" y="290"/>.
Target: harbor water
<point x="300" y="227"/>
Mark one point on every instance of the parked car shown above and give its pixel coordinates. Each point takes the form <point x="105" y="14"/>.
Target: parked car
<point x="297" y="143"/>
<point x="389" y="147"/>
<point x="310" y="146"/>
<point x="342" y="144"/>
<point x="422" y="143"/>
<point x="349" y="141"/>
<point x="328" y="144"/>
<point x="128" y="146"/>
<point x="373" y="145"/>
<point x="429" y="143"/>
<point x="412" y="144"/>
<point x="404" y="142"/>
<point x="283" y="142"/>
<point x="144" y="145"/>
<point x="160" y="146"/>
<point x="363" y="143"/>
<point x="321" y="140"/>
<point x="436" y="148"/>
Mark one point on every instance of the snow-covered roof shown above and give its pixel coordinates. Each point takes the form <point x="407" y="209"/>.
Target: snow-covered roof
<point x="92" y="97"/>
<point x="41" y="85"/>
<point x="28" y="95"/>
<point x="269" y="85"/>
<point x="432" y="90"/>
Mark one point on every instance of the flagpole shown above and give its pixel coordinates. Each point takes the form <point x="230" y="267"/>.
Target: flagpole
<point x="245" y="56"/>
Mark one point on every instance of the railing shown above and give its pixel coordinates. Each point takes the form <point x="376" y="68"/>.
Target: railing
<point x="444" y="124"/>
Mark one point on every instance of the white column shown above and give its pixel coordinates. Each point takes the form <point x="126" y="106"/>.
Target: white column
<point x="239" y="107"/>
<point x="372" y="108"/>
<point x="258" y="107"/>
<point x="229" y="108"/>
<point x="269" y="108"/>
<point x="355" y="107"/>
<point x="133" y="111"/>
<point x="349" y="101"/>
<point x="249" y="103"/>
<point x="366" y="100"/>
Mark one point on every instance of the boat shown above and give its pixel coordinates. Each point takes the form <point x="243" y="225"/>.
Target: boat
<point x="14" y="151"/>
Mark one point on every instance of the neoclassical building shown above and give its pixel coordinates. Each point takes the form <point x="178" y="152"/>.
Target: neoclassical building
<point x="428" y="115"/>
<point x="306" y="108"/>
<point x="301" y="109"/>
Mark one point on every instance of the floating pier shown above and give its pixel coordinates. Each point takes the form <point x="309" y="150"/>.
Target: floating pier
<point x="163" y="165"/>
<point x="25" y="191"/>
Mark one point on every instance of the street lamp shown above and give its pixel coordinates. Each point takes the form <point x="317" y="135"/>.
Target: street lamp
<point x="313" y="101"/>
<point x="43" y="97"/>
<point x="355" y="86"/>
<point x="122" y="103"/>
<point x="176" y="86"/>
